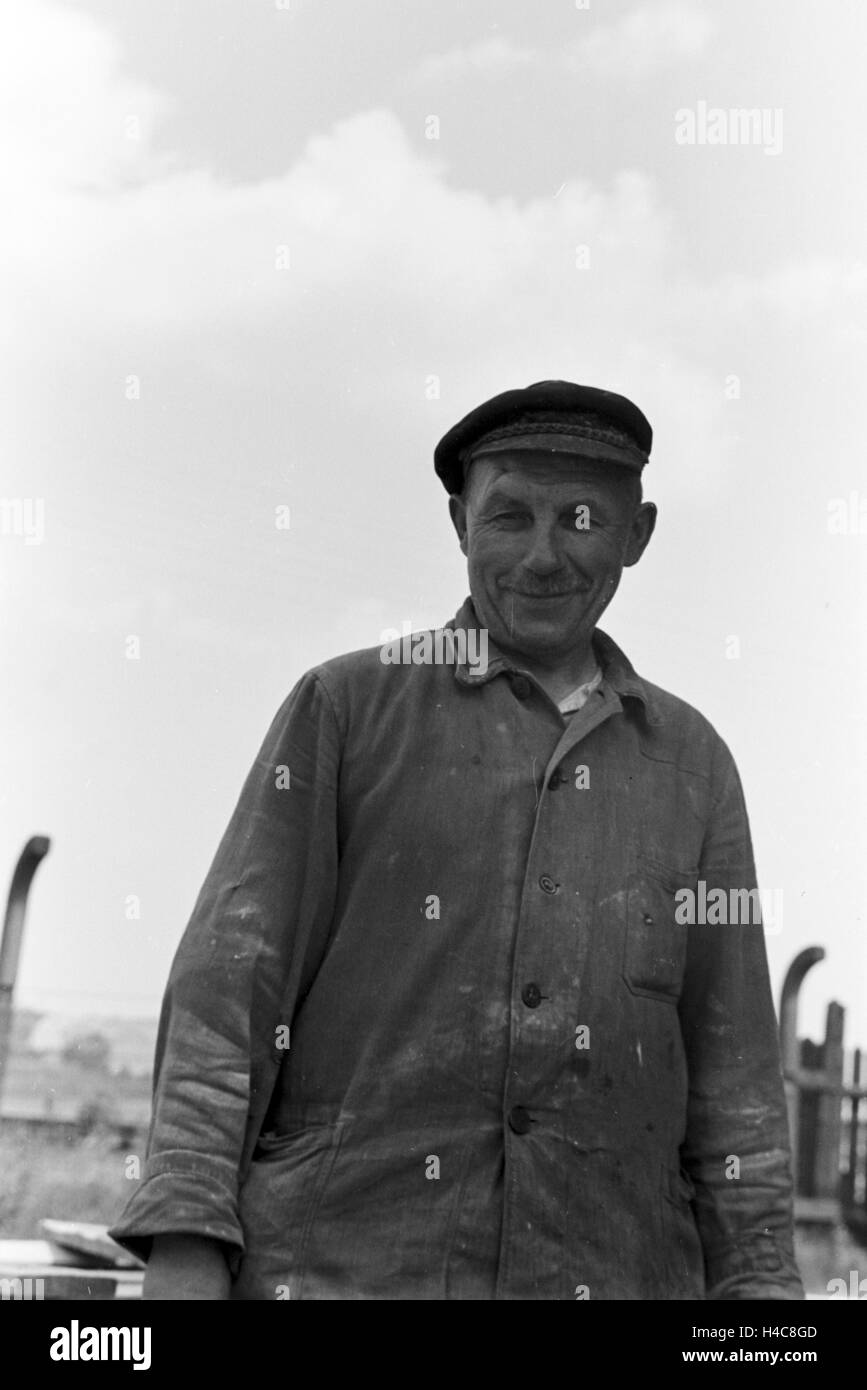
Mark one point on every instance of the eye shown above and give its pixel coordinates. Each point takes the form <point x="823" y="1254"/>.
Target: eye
<point x="585" y="518"/>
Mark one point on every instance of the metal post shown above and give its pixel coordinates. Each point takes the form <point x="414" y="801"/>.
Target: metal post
<point x="791" y="1057"/>
<point x="13" y="932"/>
<point x="829" y="1120"/>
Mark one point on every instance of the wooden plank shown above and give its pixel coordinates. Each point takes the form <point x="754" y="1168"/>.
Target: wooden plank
<point x="39" y="1252"/>
<point x="90" y="1242"/>
<point x="54" y="1282"/>
<point x="819" y="1209"/>
<point x="51" y="1282"/>
<point x="852" y="1169"/>
<point x="63" y="1274"/>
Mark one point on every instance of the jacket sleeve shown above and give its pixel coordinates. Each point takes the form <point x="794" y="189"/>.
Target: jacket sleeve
<point x="258" y="929"/>
<point x="736" y="1149"/>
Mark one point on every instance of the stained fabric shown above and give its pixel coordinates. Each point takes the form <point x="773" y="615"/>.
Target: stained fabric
<point x="435" y="1029"/>
<point x="577" y="698"/>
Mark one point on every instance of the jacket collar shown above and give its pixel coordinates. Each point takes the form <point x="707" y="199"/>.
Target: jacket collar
<point x="617" y="670"/>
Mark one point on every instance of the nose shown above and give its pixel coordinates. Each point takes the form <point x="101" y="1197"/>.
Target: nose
<point x="543" y="556"/>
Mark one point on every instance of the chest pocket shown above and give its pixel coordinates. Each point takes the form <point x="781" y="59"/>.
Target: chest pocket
<point x="654" y="953"/>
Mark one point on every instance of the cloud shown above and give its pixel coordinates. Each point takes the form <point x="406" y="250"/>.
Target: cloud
<point x="794" y="289"/>
<point x="103" y="234"/>
<point x="69" y="114"/>
<point x="636" y="45"/>
<point x="496" y="57"/>
<point x="480" y="289"/>
<point x="362" y="218"/>
<point x="641" y="42"/>
<point x="361" y="256"/>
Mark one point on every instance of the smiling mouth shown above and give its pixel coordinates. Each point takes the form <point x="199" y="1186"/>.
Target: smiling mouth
<point x="562" y="593"/>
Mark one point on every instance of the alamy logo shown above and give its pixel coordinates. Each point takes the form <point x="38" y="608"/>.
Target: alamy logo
<point x="75" y="1343"/>
<point x="23" y="516"/>
<point x="735" y="907"/>
<point x="857" y="1287"/>
<point x="713" y="125"/>
<point x="22" y="1290"/>
<point x="442" y="647"/>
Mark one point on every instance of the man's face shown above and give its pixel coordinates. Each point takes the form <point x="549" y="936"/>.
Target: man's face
<point x="539" y="582"/>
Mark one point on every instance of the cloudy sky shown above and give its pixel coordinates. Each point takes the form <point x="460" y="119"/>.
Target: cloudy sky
<point x="260" y="255"/>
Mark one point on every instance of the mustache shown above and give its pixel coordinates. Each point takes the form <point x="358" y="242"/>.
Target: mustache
<point x="537" y="587"/>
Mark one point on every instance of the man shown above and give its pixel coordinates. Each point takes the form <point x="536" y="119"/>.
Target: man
<point x="437" y="1027"/>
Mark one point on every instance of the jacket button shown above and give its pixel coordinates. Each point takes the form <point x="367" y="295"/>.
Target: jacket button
<point x="521" y="688"/>
<point x="556" y="780"/>
<point x="532" y="996"/>
<point x="547" y="884"/>
<point x="519" y="1120"/>
<point x="648" y="920"/>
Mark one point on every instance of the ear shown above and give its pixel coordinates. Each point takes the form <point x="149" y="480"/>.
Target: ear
<point x="643" y="524"/>
<point x="458" y="514"/>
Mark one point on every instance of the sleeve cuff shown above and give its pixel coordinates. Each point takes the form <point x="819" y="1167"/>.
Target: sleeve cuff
<point x="757" y="1268"/>
<point x="182" y="1194"/>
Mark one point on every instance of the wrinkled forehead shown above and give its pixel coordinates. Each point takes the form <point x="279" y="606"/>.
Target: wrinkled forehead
<point x="543" y="473"/>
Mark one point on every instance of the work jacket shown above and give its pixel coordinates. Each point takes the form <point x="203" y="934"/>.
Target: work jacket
<point x="439" y="1027"/>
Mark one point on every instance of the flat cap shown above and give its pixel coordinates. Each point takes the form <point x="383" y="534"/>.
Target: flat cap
<point x="557" y="415"/>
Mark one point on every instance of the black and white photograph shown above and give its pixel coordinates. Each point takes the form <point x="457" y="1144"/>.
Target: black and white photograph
<point x="434" y="559"/>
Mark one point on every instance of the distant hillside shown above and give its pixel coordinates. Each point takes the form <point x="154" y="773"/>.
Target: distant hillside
<point x="45" y="1086"/>
<point x="130" y="1041"/>
<point x="71" y="1068"/>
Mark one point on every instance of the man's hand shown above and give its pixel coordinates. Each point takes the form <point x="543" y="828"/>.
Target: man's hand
<point x="186" y="1267"/>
